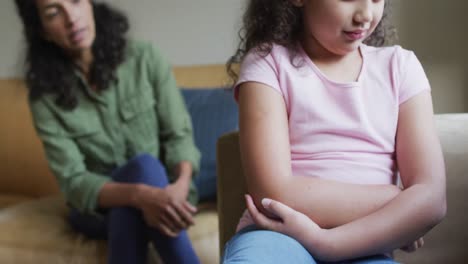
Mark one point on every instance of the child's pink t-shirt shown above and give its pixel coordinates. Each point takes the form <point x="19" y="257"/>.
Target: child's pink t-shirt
<point x="341" y="131"/>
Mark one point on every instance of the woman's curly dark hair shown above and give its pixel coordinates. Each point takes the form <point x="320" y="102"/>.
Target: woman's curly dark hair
<point x="268" y="22"/>
<point x="50" y="70"/>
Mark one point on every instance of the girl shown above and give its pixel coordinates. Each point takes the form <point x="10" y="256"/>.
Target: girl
<point x="326" y="122"/>
<point x="101" y="107"/>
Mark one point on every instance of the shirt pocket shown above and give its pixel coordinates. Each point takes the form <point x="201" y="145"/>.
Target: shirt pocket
<point x="80" y="124"/>
<point x="138" y="115"/>
<point x="84" y="128"/>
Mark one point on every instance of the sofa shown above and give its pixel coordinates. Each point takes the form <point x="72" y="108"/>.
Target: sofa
<point x="33" y="225"/>
<point x="444" y="244"/>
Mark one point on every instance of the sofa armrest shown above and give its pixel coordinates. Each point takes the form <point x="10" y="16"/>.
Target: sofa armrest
<point x="445" y="243"/>
<point x="231" y="186"/>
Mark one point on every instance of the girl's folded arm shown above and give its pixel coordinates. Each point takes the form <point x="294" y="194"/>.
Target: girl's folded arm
<point x="264" y="143"/>
<point x="411" y="214"/>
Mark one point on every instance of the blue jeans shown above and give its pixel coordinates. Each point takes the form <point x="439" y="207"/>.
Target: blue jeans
<point x="252" y="245"/>
<point x="124" y="227"/>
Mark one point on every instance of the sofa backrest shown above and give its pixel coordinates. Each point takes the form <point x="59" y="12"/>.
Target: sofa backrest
<point x="23" y="167"/>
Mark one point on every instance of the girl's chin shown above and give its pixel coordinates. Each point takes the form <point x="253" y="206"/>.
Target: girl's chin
<point x="352" y="47"/>
<point x="347" y="50"/>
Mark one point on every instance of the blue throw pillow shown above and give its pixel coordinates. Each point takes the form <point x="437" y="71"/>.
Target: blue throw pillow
<point x="213" y="112"/>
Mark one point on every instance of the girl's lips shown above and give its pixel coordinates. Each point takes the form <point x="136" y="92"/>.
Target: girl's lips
<point x="355" y="35"/>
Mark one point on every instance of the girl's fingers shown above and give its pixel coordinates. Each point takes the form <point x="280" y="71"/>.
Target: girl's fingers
<point x="414" y="246"/>
<point x="259" y="218"/>
<point x="420" y="242"/>
<point x="278" y="209"/>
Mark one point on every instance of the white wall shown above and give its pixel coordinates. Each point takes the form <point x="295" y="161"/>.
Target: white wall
<point x="188" y="32"/>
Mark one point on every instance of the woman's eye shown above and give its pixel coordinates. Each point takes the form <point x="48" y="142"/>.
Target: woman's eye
<point x="51" y="13"/>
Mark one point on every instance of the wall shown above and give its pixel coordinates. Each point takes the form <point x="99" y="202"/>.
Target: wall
<point x="436" y="31"/>
<point x="188" y="32"/>
<point x="10" y="41"/>
<point x="205" y="32"/>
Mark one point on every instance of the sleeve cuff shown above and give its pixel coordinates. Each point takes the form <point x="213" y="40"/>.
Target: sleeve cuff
<point x="191" y="155"/>
<point x="85" y="197"/>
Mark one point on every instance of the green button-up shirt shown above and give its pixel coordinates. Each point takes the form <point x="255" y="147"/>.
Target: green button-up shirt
<point x="142" y="112"/>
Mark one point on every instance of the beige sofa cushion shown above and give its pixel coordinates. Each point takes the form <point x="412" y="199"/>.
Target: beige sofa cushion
<point x="7" y="200"/>
<point x="36" y="231"/>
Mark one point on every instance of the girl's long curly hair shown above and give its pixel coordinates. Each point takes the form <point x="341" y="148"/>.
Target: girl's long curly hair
<point x="49" y="70"/>
<point x="268" y="22"/>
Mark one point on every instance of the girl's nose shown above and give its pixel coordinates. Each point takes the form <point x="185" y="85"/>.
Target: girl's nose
<point x="364" y="14"/>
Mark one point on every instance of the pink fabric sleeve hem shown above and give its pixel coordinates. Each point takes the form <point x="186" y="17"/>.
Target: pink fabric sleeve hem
<point x="238" y="84"/>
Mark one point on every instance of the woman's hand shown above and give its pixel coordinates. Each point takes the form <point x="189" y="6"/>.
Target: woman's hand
<point x="160" y="210"/>
<point x="178" y="193"/>
<point x="289" y="222"/>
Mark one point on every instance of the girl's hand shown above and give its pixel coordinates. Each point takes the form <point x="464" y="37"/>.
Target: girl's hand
<point x="289" y="222"/>
<point x="414" y="246"/>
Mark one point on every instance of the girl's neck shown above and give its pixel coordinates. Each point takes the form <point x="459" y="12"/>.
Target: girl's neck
<point x="337" y="67"/>
<point x="321" y="55"/>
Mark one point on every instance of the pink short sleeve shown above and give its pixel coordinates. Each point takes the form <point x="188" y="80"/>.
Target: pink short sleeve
<point x="413" y="79"/>
<point x="258" y="68"/>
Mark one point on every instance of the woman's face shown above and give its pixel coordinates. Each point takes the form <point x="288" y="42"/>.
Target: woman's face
<point x="68" y="23"/>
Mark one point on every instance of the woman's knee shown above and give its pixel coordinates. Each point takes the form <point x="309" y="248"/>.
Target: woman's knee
<point x="263" y="246"/>
<point x="145" y="163"/>
<point x="143" y="168"/>
<point x="123" y="220"/>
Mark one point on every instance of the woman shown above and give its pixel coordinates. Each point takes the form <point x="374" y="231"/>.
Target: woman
<point x="112" y="121"/>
